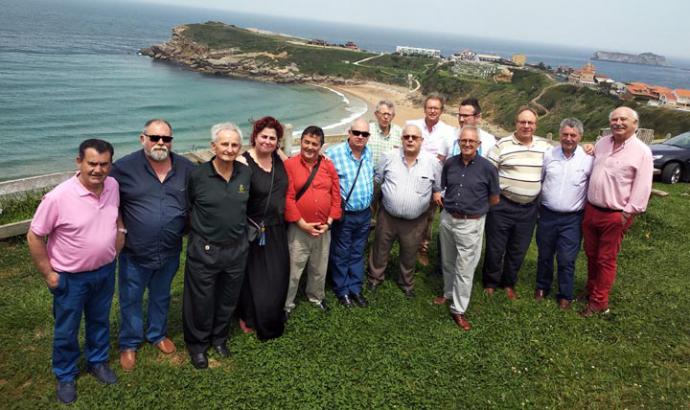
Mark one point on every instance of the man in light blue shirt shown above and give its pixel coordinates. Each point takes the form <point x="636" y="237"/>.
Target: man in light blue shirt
<point x="352" y="160"/>
<point x="565" y="174"/>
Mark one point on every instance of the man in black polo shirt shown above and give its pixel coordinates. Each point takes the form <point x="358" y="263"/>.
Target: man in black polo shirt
<point x="153" y="205"/>
<point x="217" y="192"/>
<point x="471" y="186"/>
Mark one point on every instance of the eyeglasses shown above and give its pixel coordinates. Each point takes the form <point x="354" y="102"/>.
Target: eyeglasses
<point x="384" y="114"/>
<point x="411" y="137"/>
<point x="364" y="134"/>
<point x="466" y="115"/>
<point x="468" y="142"/>
<point x="155" y="138"/>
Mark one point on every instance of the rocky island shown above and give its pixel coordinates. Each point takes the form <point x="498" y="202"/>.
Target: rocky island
<point x="644" y="58"/>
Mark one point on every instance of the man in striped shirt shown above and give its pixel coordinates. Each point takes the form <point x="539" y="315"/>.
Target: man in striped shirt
<point x="510" y="224"/>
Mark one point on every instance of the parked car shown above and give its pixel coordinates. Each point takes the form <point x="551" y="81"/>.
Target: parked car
<point x="672" y="158"/>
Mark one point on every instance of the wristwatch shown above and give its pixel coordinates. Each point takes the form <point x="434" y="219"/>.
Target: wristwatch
<point x="123" y="230"/>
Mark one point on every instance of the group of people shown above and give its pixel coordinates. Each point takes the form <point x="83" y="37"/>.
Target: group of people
<point x="257" y="220"/>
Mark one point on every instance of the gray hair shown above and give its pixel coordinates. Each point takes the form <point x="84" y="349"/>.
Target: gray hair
<point x="225" y="126"/>
<point x="572" y="123"/>
<point x="157" y="121"/>
<point x="473" y="128"/>
<point x="387" y="103"/>
<point x="633" y="113"/>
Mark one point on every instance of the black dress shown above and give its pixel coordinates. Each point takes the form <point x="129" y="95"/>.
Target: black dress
<point x="268" y="267"/>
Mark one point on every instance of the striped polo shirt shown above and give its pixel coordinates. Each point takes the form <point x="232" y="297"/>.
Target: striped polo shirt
<point x="519" y="167"/>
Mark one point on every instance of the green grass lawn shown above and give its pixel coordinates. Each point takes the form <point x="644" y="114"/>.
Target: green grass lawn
<point x="403" y="353"/>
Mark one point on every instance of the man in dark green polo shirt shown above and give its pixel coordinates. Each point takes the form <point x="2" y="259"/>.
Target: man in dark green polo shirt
<point x="217" y="194"/>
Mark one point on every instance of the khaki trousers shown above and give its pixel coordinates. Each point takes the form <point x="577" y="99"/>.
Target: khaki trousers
<point x="310" y="252"/>
<point x="461" y="248"/>
<point x="409" y="233"/>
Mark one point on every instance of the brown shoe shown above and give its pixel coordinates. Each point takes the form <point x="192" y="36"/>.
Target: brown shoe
<point x="166" y="346"/>
<point x="461" y="321"/>
<point x="440" y="300"/>
<point x="590" y="311"/>
<point x="423" y="257"/>
<point x="489" y="291"/>
<point x="564" y="304"/>
<point x="511" y="294"/>
<point x="538" y="295"/>
<point x="128" y="360"/>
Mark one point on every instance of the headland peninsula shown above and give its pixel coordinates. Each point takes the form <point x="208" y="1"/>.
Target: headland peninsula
<point x="502" y="86"/>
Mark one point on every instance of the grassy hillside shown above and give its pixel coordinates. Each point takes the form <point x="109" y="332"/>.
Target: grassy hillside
<point x="402" y="353"/>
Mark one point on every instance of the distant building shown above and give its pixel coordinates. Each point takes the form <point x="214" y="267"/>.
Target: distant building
<point x="519" y="59"/>
<point x="682" y="98"/>
<point x="583" y="77"/>
<point x="351" y="45"/>
<point x="429" y="52"/>
<point x="318" y="42"/>
<point x="466" y="55"/>
<point x="491" y="58"/>
<point x="638" y="91"/>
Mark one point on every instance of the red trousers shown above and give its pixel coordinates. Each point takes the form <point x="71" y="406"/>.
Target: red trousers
<point x="603" y="232"/>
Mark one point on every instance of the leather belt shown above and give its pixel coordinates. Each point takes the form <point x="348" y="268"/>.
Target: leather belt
<point x="599" y="208"/>
<point x="458" y="215"/>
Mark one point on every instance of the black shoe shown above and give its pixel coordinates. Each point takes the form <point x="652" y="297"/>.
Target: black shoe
<point x="410" y="294"/>
<point x="372" y="287"/>
<point x="345" y="301"/>
<point x="103" y="373"/>
<point x="199" y="360"/>
<point x="359" y="299"/>
<point x="286" y="316"/>
<point x="66" y="392"/>
<point x="222" y="350"/>
<point x="322" y="306"/>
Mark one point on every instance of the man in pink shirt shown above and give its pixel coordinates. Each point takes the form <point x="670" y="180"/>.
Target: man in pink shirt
<point x="80" y="219"/>
<point x="619" y="189"/>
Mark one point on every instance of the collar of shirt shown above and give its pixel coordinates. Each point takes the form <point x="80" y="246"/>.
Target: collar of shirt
<point x="404" y="161"/>
<point x="82" y="191"/>
<point x="150" y="170"/>
<point x="561" y="155"/>
<point x="213" y="173"/>
<point x="365" y="152"/>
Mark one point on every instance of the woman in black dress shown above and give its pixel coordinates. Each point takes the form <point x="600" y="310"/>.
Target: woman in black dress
<point x="268" y="265"/>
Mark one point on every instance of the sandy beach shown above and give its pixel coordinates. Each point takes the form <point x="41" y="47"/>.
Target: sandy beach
<point x="408" y="105"/>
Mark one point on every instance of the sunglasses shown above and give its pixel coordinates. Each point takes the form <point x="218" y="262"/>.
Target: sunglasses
<point x="364" y="134"/>
<point x="411" y="137"/>
<point x="155" y="138"/>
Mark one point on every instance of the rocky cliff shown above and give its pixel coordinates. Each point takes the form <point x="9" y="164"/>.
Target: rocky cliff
<point x="233" y="62"/>
<point x="644" y="58"/>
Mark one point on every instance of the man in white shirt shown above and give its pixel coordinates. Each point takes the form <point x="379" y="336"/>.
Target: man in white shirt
<point x="437" y="134"/>
<point x="565" y="174"/>
<point x="469" y="113"/>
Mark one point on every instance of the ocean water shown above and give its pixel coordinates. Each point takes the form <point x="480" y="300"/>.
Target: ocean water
<point x="69" y="70"/>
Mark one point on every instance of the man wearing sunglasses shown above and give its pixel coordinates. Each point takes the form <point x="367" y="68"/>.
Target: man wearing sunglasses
<point x="352" y="160"/>
<point x="407" y="176"/>
<point x="153" y="207"/>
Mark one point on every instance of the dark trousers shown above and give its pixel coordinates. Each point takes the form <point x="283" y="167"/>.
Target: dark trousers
<point x="509" y="228"/>
<point x="91" y="294"/>
<point x="603" y="233"/>
<point x="346" y="261"/>
<point x="559" y="234"/>
<point x="212" y="283"/>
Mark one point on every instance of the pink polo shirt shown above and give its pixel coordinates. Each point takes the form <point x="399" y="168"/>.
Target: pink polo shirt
<point x="621" y="179"/>
<point x="81" y="228"/>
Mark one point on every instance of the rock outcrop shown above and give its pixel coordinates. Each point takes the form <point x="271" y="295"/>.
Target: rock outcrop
<point x="644" y="58"/>
<point x="233" y="62"/>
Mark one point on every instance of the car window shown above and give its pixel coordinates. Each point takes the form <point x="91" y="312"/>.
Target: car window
<point x="681" y="140"/>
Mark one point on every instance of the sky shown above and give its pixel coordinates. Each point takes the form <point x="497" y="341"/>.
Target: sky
<point x="633" y="26"/>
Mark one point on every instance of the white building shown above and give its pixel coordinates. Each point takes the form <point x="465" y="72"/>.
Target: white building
<point x="429" y="52"/>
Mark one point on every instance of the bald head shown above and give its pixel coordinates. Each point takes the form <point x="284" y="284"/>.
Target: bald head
<point x="358" y="135"/>
<point x="623" y="122"/>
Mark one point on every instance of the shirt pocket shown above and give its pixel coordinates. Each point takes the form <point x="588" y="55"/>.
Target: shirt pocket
<point x="423" y="185"/>
<point x="580" y="178"/>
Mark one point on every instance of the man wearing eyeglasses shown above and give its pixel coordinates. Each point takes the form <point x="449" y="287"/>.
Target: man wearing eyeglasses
<point x="509" y="225"/>
<point x="469" y="113"/>
<point x="352" y="161"/>
<point x="437" y="134"/>
<point x="385" y="135"/>
<point x="153" y="207"/>
<point x="471" y="186"/>
<point x="408" y="176"/>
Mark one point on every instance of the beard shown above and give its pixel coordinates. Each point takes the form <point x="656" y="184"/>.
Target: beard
<point x="158" y="154"/>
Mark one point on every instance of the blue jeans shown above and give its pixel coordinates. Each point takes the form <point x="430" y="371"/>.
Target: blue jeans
<point x="90" y="293"/>
<point x="133" y="281"/>
<point x="558" y="233"/>
<point x="348" y="241"/>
